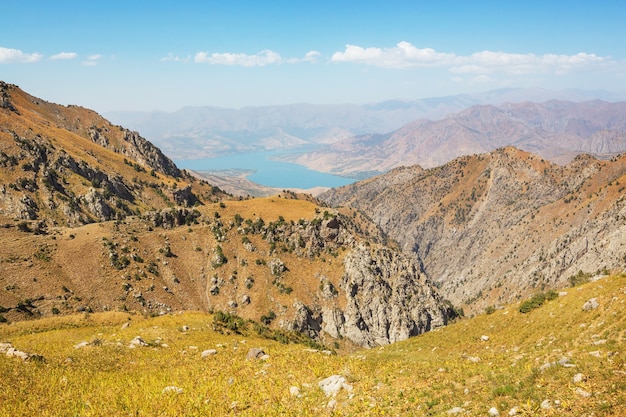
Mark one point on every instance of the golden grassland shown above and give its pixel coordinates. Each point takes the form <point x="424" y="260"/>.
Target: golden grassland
<point x="454" y="369"/>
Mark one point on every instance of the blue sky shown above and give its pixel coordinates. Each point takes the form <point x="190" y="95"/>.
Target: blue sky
<point x="147" y="55"/>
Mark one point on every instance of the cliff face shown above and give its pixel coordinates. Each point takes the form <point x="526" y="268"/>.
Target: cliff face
<point x="381" y="297"/>
<point x="388" y="299"/>
<point x="491" y="228"/>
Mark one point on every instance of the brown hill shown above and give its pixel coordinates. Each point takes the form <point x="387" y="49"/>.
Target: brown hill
<point x="491" y="228"/>
<point x="96" y="218"/>
<point x="555" y="130"/>
<point x="66" y="165"/>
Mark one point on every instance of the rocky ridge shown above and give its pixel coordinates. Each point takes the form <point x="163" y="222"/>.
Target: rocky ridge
<point x="60" y="165"/>
<point x="491" y="228"/>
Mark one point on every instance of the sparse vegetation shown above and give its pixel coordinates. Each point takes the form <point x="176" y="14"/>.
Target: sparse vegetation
<point x="522" y="365"/>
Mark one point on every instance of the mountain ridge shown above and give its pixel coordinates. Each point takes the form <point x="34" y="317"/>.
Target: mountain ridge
<point x="213" y="131"/>
<point x="555" y="130"/>
<point x="490" y="228"/>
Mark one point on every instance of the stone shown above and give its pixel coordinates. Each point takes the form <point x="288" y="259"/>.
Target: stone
<point x="546" y="405"/>
<point x="294" y="391"/>
<point x="208" y="352"/>
<point x="12" y="352"/>
<point x="255" y="353"/>
<point x="137" y="342"/>
<point x="591" y="304"/>
<point x="245" y="300"/>
<point x="455" y="410"/>
<point x="493" y="412"/>
<point x="172" y="390"/>
<point x="578" y="378"/>
<point x="333" y="384"/>
<point x="484" y="338"/>
<point x="582" y="393"/>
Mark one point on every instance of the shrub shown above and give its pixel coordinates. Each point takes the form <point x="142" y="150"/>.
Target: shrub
<point x="226" y="321"/>
<point x="537" y="301"/>
<point x="580" y="278"/>
<point x="267" y="320"/>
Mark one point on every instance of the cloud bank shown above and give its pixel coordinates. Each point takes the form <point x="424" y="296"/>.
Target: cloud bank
<point x="405" y="55"/>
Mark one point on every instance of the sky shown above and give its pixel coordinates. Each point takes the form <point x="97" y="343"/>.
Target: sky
<point x="164" y="55"/>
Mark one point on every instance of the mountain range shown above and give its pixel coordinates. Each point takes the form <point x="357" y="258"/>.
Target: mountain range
<point x="203" y="132"/>
<point x="95" y="217"/>
<point x="555" y="130"/>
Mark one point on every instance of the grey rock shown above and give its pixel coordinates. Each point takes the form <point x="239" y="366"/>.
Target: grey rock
<point x="208" y="352"/>
<point x="137" y="342"/>
<point x="591" y="304"/>
<point x="172" y="390"/>
<point x="582" y="393"/>
<point x="333" y="384"/>
<point x="245" y="300"/>
<point x="255" y="353"/>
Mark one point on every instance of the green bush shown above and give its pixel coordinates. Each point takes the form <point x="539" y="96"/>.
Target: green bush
<point x="537" y="301"/>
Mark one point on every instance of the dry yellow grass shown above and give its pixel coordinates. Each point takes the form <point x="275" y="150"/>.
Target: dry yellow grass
<point x="453" y="369"/>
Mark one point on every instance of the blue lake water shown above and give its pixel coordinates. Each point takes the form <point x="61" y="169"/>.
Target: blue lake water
<point x="266" y="171"/>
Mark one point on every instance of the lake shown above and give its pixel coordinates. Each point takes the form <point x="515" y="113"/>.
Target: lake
<point x="266" y="171"/>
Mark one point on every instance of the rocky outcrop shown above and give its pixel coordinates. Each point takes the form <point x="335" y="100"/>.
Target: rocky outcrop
<point x="383" y="296"/>
<point x="5" y="98"/>
<point x="388" y="299"/>
<point x="147" y="154"/>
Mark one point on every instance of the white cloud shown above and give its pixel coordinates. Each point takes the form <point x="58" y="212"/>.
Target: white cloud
<point x="175" y="58"/>
<point x="405" y="55"/>
<point x="92" y="60"/>
<point x="64" y="55"/>
<point x="311" y="56"/>
<point x="260" y="59"/>
<point x="11" y="56"/>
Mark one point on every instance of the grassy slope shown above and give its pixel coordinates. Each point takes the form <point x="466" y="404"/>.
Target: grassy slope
<point x="427" y="375"/>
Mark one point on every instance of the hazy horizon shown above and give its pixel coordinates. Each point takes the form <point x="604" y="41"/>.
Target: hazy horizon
<point x="164" y="56"/>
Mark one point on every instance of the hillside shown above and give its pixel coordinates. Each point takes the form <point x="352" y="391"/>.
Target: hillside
<point x="67" y="166"/>
<point x="564" y="358"/>
<point x="94" y="218"/>
<point x="554" y="130"/>
<point x="494" y="227"/>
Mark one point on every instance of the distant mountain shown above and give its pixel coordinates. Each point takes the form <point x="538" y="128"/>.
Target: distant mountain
<point x="493" y="227"/>
<point x="555" y="130"/>
<point x="200" y="132"/>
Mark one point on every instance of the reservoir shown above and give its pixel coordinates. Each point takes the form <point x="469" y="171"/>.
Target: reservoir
<point x="266" y="171"/>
